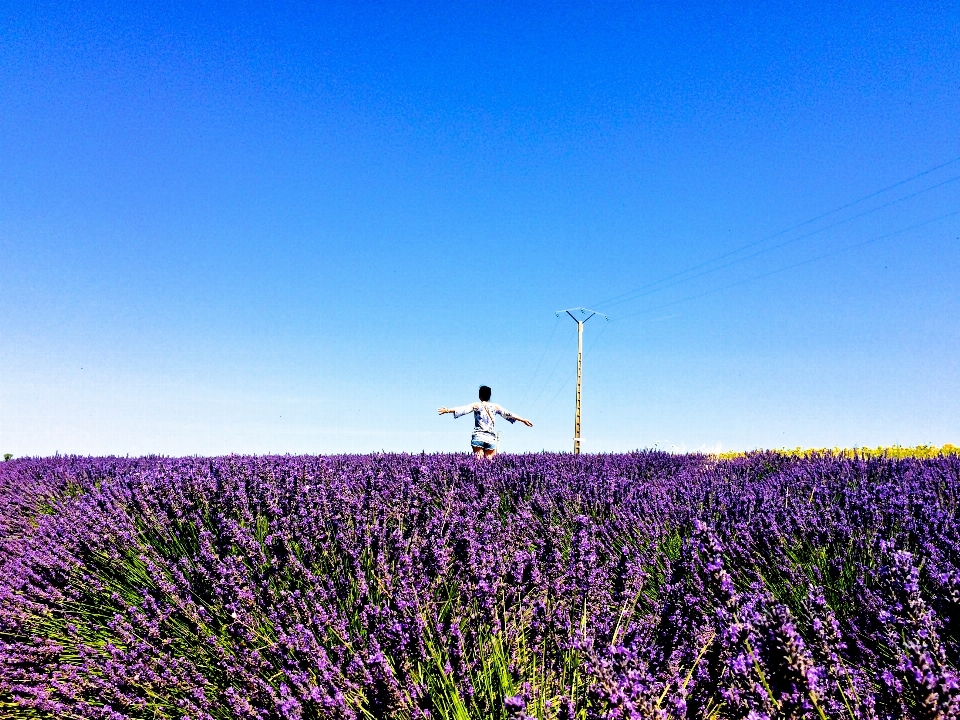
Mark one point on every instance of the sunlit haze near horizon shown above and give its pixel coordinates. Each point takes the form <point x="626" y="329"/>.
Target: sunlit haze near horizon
<point x="253" y="228"/>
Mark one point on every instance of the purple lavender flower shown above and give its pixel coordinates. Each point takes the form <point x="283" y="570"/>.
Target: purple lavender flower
<point x="643" y="585"/>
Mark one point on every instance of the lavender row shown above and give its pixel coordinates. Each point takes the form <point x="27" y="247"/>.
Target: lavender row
<point x="644" y="585"/>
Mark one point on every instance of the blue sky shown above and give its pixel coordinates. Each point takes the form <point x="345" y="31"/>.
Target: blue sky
<point x="283" y="228"/>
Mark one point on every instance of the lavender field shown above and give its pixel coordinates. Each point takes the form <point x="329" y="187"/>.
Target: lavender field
<point x="644" y="585"/>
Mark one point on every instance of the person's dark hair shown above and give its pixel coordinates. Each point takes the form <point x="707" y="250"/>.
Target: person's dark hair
<point x="484" y="393"/>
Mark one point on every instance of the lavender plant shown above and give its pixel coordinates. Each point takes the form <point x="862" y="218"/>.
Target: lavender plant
<point x="643" y="585"/>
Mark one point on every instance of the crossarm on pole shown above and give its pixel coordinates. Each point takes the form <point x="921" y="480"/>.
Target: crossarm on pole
<point x="582" y="311"/>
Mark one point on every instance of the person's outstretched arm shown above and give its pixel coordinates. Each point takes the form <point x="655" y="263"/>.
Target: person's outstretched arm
<point x="457" y="411"/>
<point x="510" y="417"/>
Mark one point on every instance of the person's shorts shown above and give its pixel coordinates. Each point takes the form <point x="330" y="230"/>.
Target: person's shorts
<point x="487" y="442"/>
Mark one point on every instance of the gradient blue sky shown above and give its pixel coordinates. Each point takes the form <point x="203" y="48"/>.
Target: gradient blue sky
<point x="285" y="228"/>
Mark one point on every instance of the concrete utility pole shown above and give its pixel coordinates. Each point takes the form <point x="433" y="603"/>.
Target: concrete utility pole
<point x="579" y="321"/>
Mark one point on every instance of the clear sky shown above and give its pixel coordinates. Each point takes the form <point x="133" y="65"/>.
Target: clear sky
<point x="256" y="227"/>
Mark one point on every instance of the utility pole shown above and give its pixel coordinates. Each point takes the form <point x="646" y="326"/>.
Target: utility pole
<point x="579" y="321"/>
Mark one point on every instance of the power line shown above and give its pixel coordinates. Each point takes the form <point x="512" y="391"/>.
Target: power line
<point x="632" y="294"/>
<point x="609" y="301"/>
<point x="790" y="267"/>
<point x="586" y="354"/>
<point x="550" y="376"/>
<point x="735" y="284"/>
<point x="775" y="247"/>
<point x="542" y="356"/>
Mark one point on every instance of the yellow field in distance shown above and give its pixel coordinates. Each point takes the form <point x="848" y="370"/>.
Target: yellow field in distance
<point x="893" y="451"/>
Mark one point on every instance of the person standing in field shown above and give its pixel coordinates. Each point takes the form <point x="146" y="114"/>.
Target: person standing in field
<point x="484" y="440"/>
